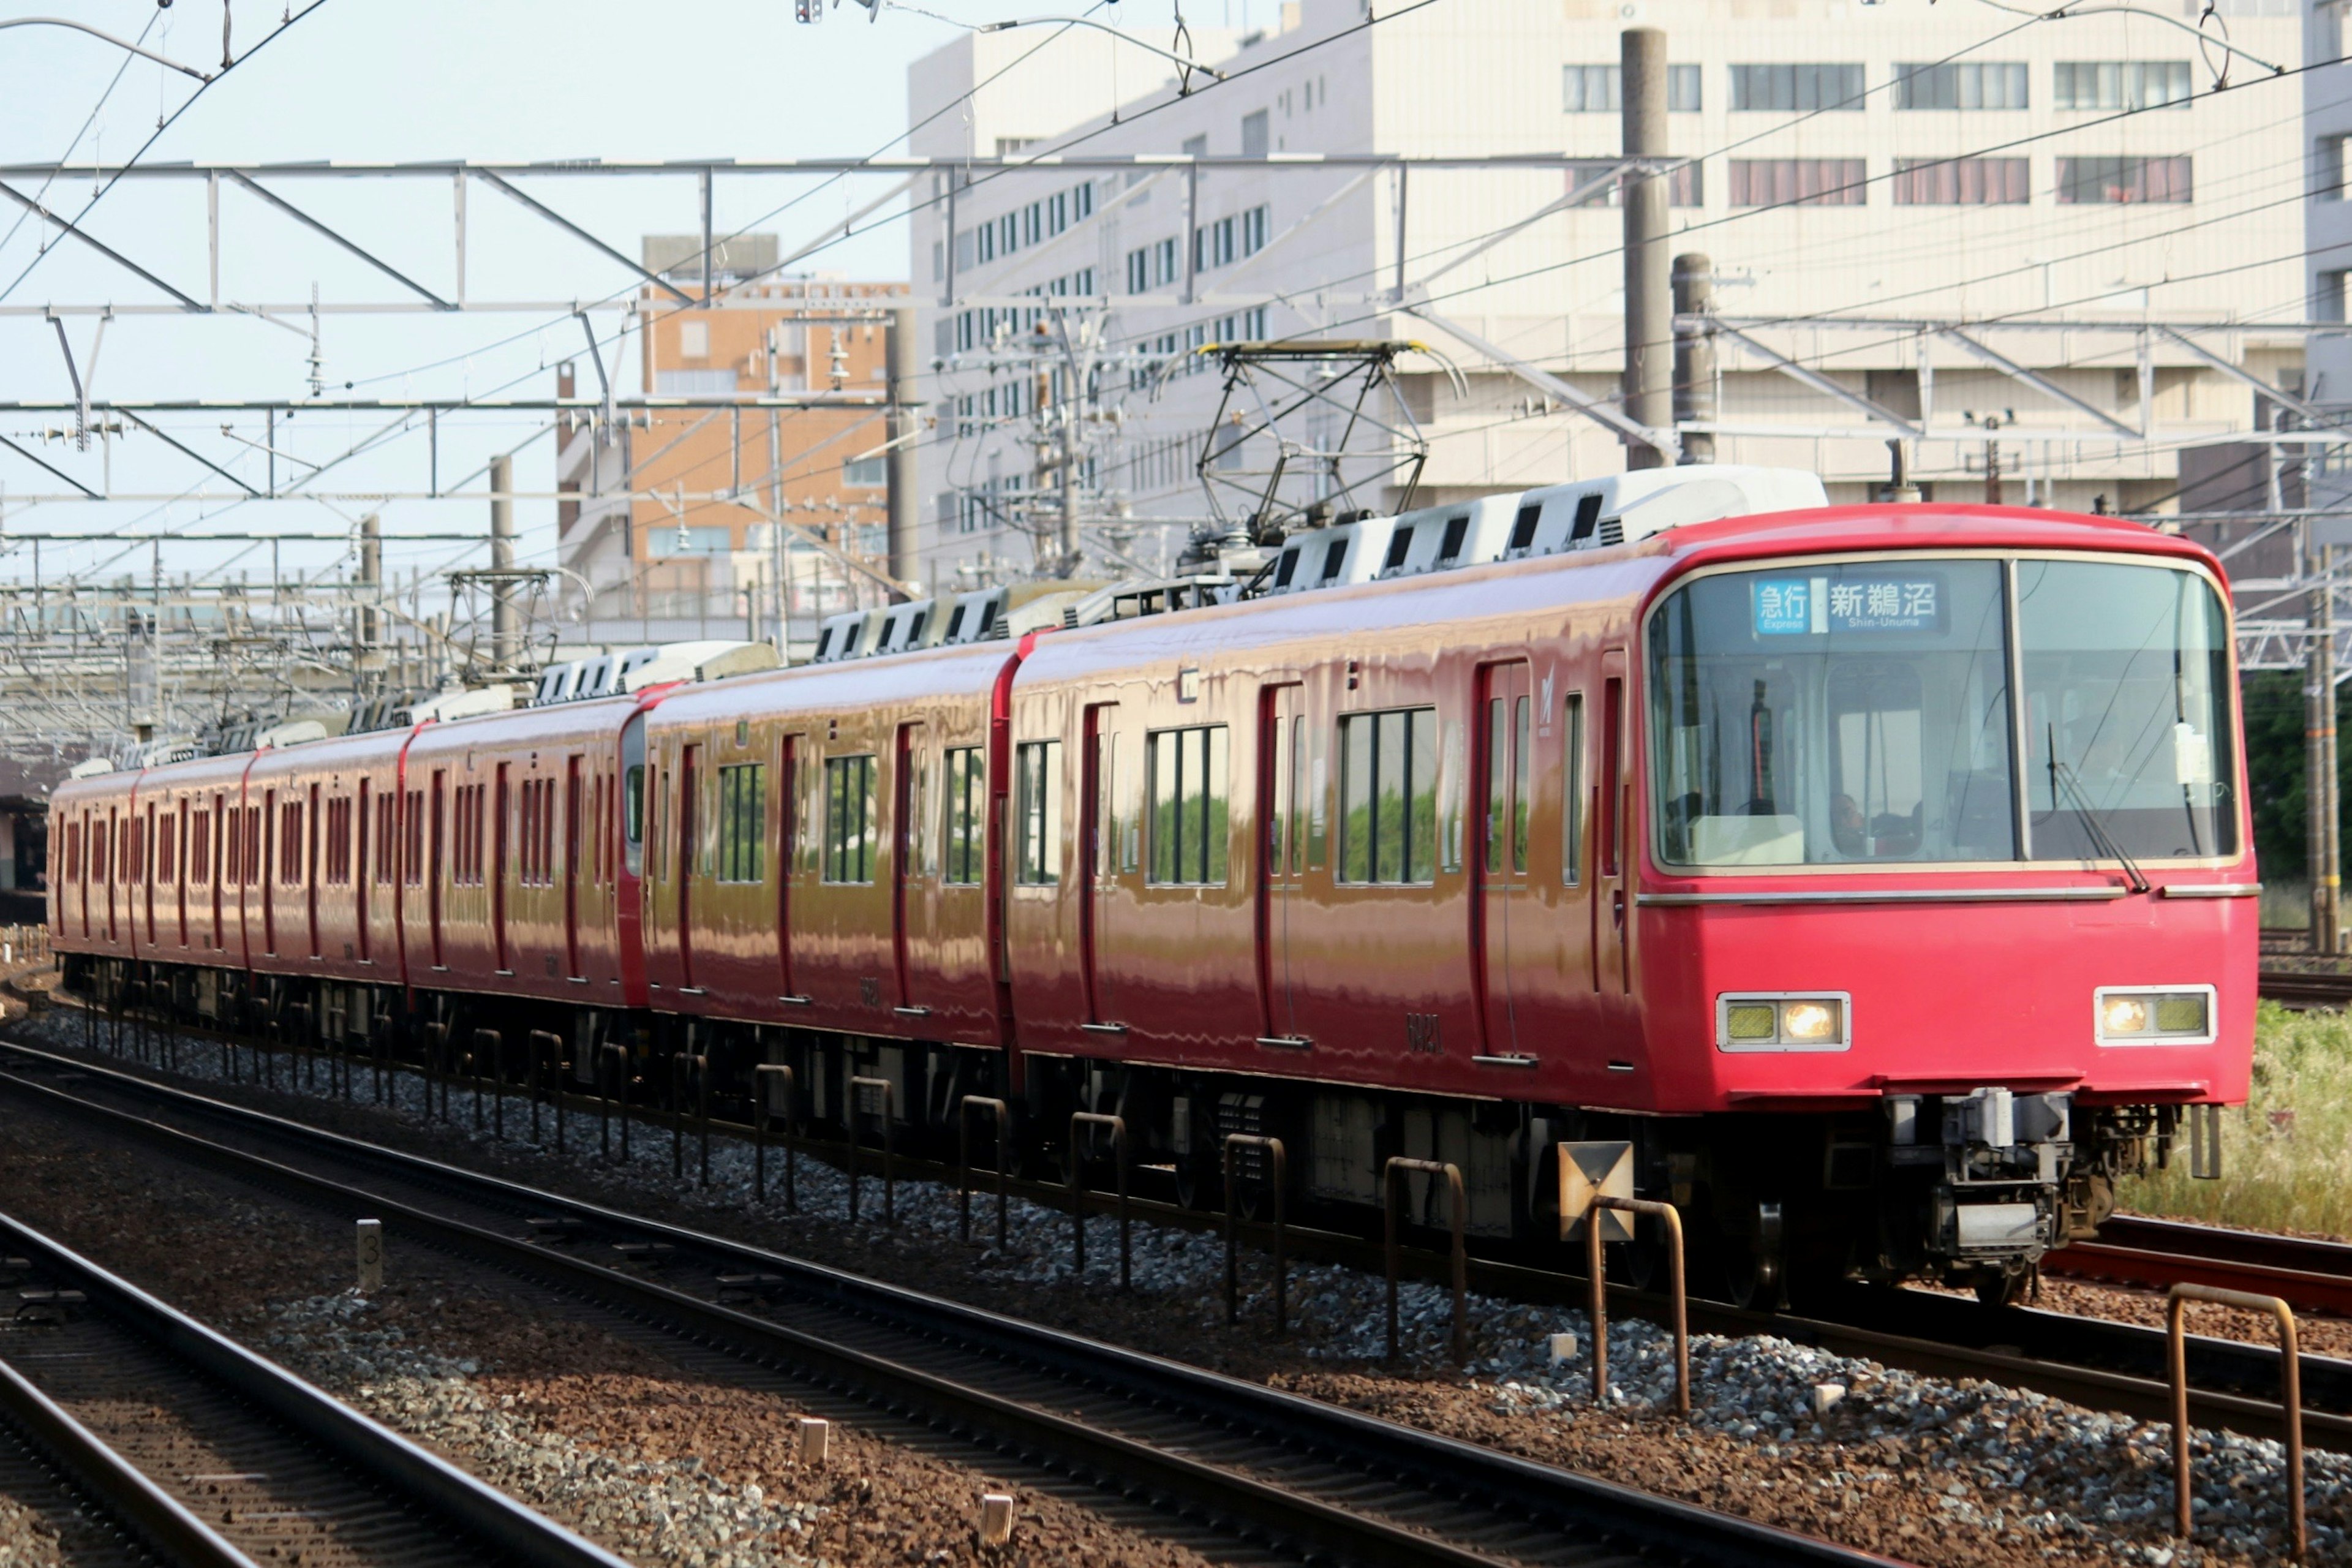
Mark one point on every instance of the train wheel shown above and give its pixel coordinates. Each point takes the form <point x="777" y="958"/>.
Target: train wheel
<point x="2002" y="1289"/>
<point x="1754" y="1264"/>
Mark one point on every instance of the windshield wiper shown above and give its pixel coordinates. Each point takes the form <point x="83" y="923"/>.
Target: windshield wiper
<point x="2096" y="825"/>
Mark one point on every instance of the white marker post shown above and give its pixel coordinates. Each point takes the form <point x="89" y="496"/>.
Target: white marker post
<point x="817" y="1437"/>
<point x="371" y="1237"/>
<point x="995" y="1519"/>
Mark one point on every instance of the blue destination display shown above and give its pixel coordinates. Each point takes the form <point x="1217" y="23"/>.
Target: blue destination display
<point x="1787" y="606"/>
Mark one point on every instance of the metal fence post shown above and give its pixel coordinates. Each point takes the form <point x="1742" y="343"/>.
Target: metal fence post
<point x="2175" y="1310"/>
<point x="760" y="1115"/>
<point x="1117" y="1125"/>
<point x="702" y="1114"/>
<point x="1596" y="1271"/>
<point x="889" y="1177"/>
<point x="498" y="1079"/>
<point x="963" y="1161"/>
<point x="1461" y="1207"/>
<point x="547" y="1066"/>
<point x="1280" y="1162"/>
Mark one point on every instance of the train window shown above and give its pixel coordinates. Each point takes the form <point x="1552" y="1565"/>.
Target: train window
<point x="967" y="805"/>
<point x="1388" y="794"/>
<point x="742" y="821"/>
<point x="1037" y="813"/>
<point x="1840" y="713"/>
<point x="1506" y="786"/>
<point x="2127" y="723"/>
<point x="1571" y="778"/>
<point x="850" y="819"/>
<point x="1189" y="831"/>
<point x="632" y="795"/>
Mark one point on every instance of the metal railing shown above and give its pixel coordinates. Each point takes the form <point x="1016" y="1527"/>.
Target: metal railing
<point x="890" y="1173"/>
<point x="1397" y="1165"/>
<point x="963" y="1162"/>
<point x="1596" y="1270"/>
<point x="1117" y="1125"/>
<point x="1279" y="1160"/>
<point x="761" y="1116"/>
<point x="2176" y="1311"/>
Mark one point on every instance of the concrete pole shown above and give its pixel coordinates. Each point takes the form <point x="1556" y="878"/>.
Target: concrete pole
<point x="1695" y="355"/>
<point x="906" y="503"/>
<point x="371" y="588"/>
<point x="1649" y="290"/>
<point x="506" y="628"/>
<point x="2324" y="809"/>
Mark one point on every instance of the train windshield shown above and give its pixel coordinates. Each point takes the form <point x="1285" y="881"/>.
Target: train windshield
<point x="1868" y="712"/>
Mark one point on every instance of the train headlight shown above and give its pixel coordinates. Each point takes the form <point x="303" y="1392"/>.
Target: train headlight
<point x="1782" y="1021"/>
<point x="2155" y="1016"/>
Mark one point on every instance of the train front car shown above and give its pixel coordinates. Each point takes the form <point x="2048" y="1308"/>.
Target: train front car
<point x="1948" y="920"/>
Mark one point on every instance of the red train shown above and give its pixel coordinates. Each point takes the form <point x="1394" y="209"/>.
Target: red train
<point x="1883" y="875"/>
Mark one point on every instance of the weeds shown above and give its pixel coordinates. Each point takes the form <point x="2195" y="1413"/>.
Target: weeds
<point x="2286" y="1155"/>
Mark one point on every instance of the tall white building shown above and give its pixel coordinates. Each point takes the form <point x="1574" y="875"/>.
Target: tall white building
<point x="1930" y="222"/>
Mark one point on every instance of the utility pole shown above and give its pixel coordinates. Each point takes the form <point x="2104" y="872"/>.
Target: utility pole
<point x="898" y="351"/>
<point x="1695" y="355"/>
<point x="371" y="622"/>
<point x="1649" y="291"/>
<point x="1992" y="460"/>
<point x="506" y="630"/>
<point x="2323" y="812"/>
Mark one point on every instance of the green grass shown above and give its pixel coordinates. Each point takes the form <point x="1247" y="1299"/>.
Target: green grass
<point x="2286" y="904"/>
<point x="2274" y="1177"/>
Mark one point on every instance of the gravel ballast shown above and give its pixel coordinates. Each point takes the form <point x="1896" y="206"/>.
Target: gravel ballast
<point x="1919" y="1468"/>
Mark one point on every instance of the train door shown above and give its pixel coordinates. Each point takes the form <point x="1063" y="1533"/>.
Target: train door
<point x="573" y="842"/>
<point x="500" y="806"/>
<point x="219" y="866"/>
<point x="690" y="781"/>
<point x="270" y="830"/>
<point x="180" y="864"/>
<point x="313" y="828"/>
<point x="788" y="865"/>
<point x="435" y="870"/>
<point x="913" y="911"/>
<point x="1611" y="796"/>
<point x="1505" y="736"/>
<point x="1282" y="756"/>
<point x="1101" y="850"/>
<point x="363" y="874"/>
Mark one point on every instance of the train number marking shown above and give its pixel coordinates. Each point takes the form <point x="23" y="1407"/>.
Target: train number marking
<point x="869" y="991"/>
<point x="1420" y="1034"/>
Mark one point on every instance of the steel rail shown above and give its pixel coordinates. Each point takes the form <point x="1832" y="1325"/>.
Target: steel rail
<point x="1409" y="1464"/>
<point x="144" y="1509"/>
<point x="2311" y="1276"/>
<point x="431" y="1485"/>
<point x="2098" y="1364"/>
<point x="2296" y="988"/>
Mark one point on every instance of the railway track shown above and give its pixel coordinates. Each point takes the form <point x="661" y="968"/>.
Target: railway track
<point x="2094" y="1363"/>
<point x="1315" y="1481"/>
<point x="2298" y="988"/>
<point x="2310" y="1276"/>
<point x="202" y="1455"/>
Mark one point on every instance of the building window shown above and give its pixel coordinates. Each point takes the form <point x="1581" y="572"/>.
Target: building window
<point x="850" y="819"/>
<point x="1960" y="182"/>
<point x="1593" y="89"/>
<point x="1797" y="182"/>
<point x="1037" y="813"/>
<point x="2081" y="180"/>
<point x="2328" y="300"/>
<point x="1139" y="271"/>
<point x="2328" y="168"/>
<point x="967" y="809"/>
<point x="1254" y="224"/>
<point x="1388" y="791"/>
<point x="1967" y="84"/>
<point x="2121" y="84"/>
<point x="742" y="821"/>
<point x="1163" y="262"/>
<point x="1685" y="183"/>
<point x="870" y="472"/>
<point x="1796" y="88"/>
<point x="1254" y="135"/>
<point x="1188" y="805"/>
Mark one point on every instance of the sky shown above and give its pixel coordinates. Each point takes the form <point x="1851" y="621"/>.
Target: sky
<point x="373" y="79"/>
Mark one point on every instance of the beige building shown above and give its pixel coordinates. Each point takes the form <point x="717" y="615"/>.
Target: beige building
<point x="1936" y="224"/>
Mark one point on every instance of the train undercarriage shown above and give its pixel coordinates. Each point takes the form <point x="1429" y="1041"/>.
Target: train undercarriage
<point x="1965" y="1189"/>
